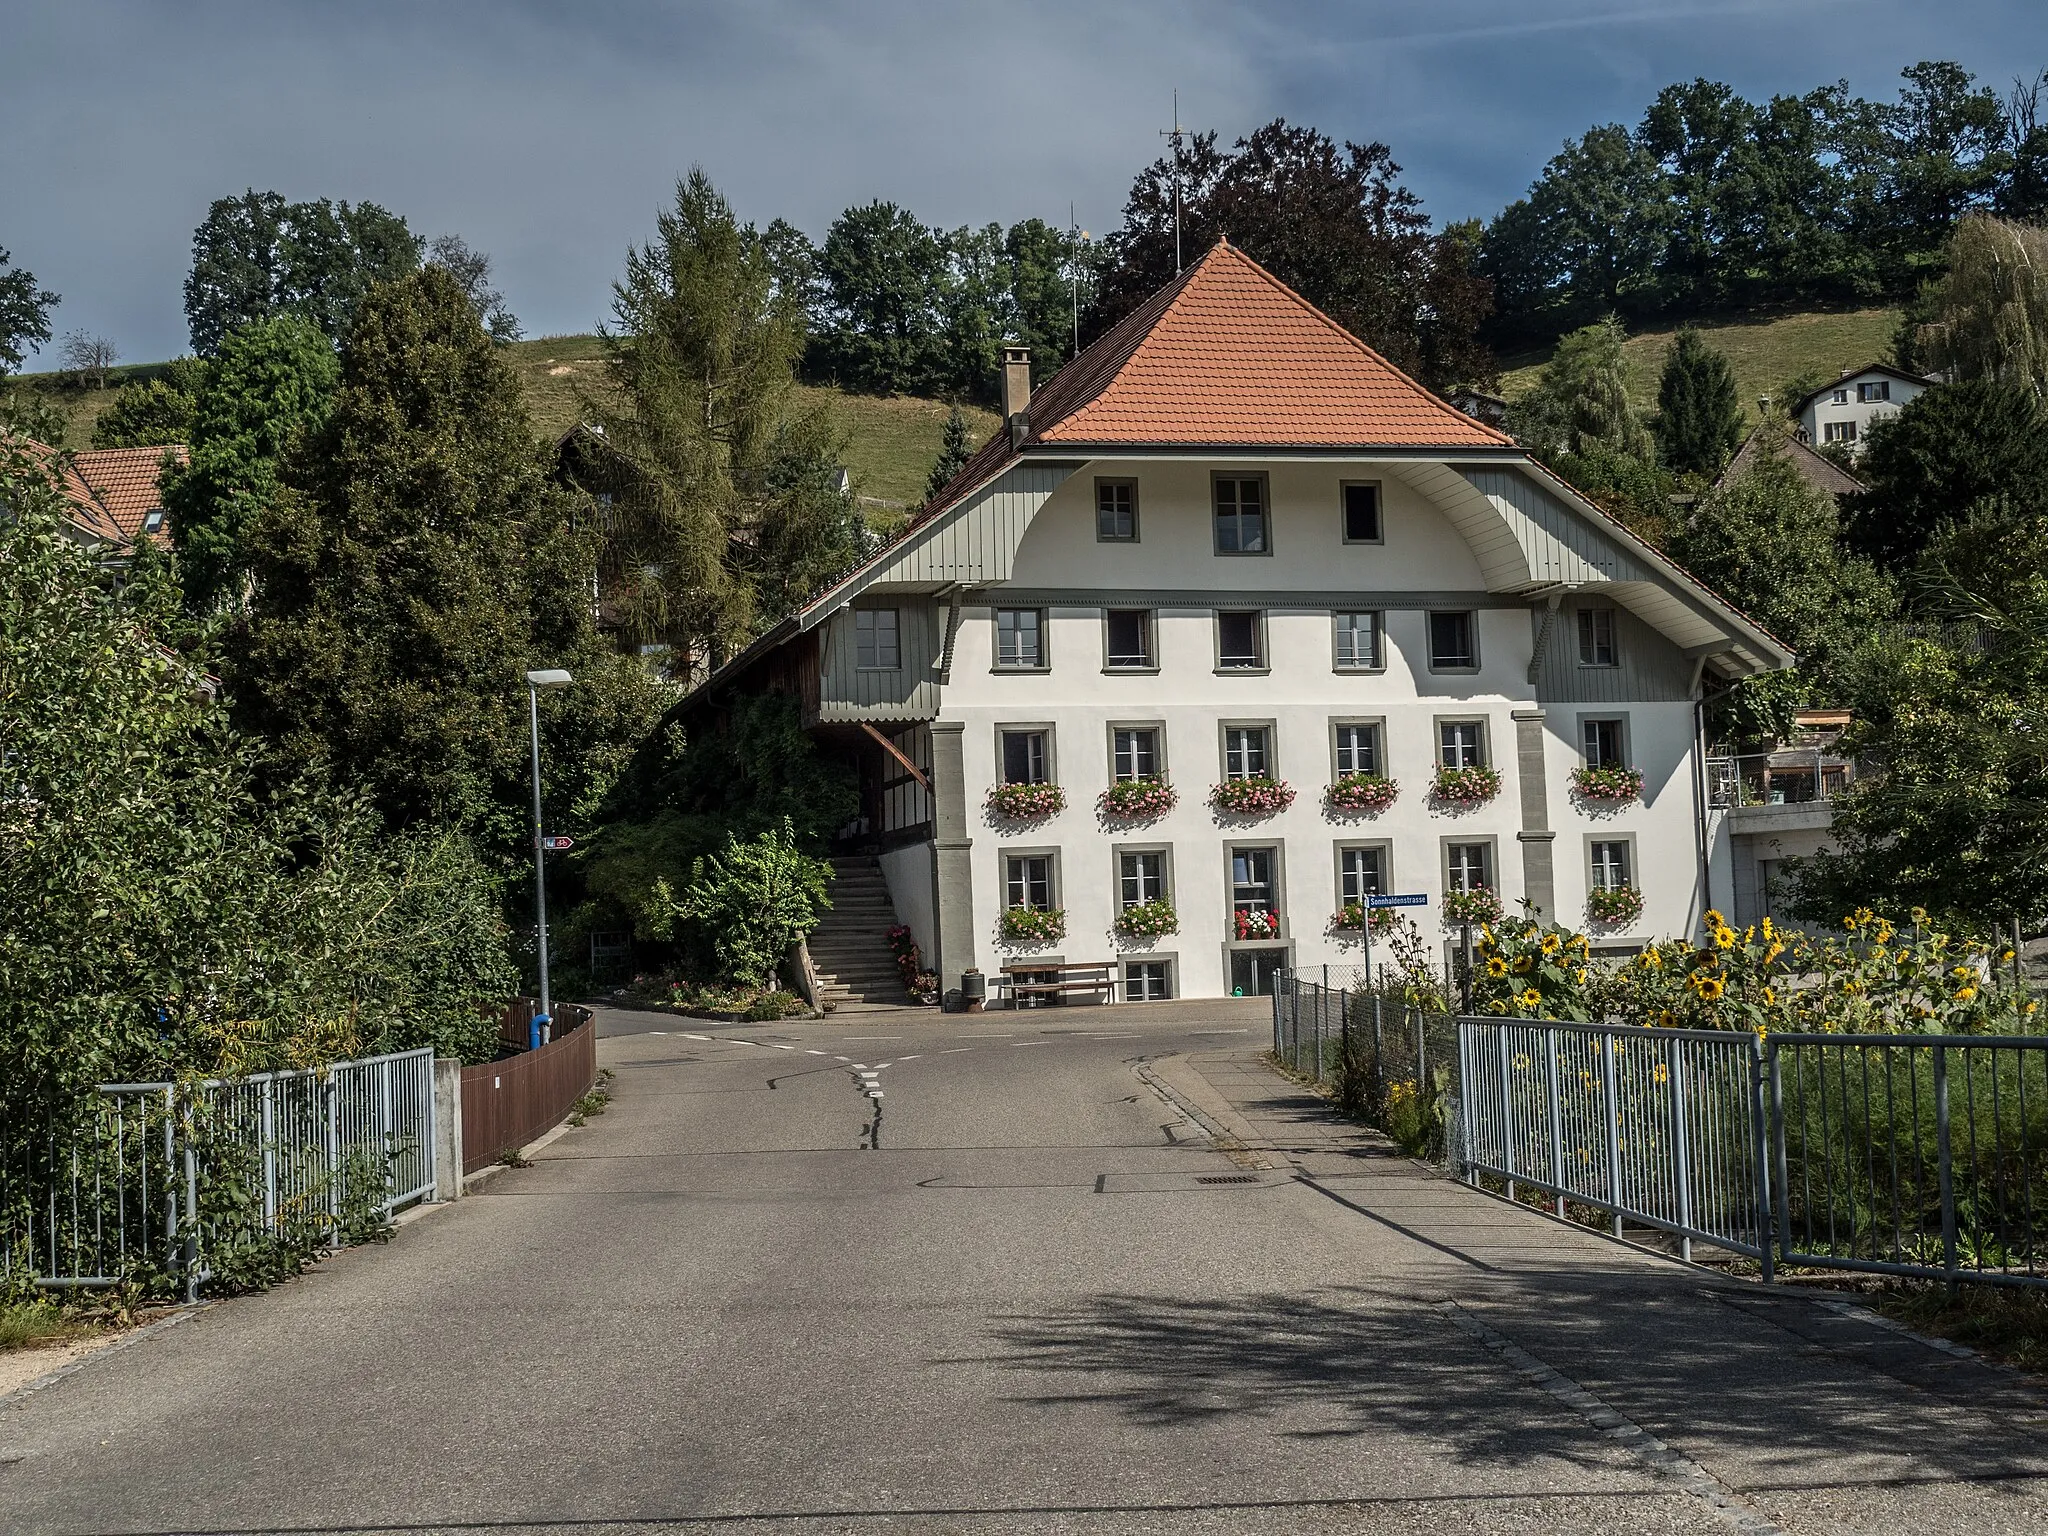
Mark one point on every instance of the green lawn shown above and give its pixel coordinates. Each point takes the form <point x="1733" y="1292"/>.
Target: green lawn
<point x="1765" y="354"/>
<point x="890" y="443"/>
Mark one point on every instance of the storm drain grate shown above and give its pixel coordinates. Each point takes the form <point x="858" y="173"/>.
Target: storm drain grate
<point x="1226" y="1178"/>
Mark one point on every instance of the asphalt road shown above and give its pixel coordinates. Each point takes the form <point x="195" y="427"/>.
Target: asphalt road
<point x="1021" y="1291"/>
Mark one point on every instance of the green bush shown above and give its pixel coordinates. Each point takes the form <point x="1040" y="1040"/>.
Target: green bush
<point x="749" y="905"/>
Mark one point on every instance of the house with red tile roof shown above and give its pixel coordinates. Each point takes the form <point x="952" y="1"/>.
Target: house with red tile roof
<point x="114" y="495"/>
<point x="1230" y="628"/>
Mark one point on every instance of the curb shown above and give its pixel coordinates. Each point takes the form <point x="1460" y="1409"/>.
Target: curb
<point x="136" y="1336"/>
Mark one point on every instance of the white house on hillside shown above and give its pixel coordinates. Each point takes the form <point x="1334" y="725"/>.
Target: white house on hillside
<point x="1842" y="412"/>
<point x="1231" y="558"/>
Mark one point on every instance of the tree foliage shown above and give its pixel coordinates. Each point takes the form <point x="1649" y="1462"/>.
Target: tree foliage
<point x="417" y="563"/>
<point x="1333" y="222"/>
<point x="156" y="916"/>
<point x="1945" y="450"/>
<point x="24" y="314"/>
<point x="271" y="382"/>
<point x="152" y="412"/>
<point x="745" y="908"/>
<point x="257" y="255"/>
<point x="1990" y="309"/>
<point x="724" y="506"/>
<point x="471" y="270"/>
<point x="955" y="449"/>
<point x="1699" y="415"/>
<point x="1581" y="401"/>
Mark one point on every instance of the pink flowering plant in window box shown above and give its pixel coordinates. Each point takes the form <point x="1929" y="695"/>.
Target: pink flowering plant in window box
<point x="1614" y="904"/>
<point x="1356" y="916"/>
<point x="1466" y="786"/>
<point x="1252" y="797"/>
<point x="1366" y="792"/>
<point x="1026" y="802"/>
<point x="1258" y="923"/>
<point x="1611" y="784"/>
<point x="1474" y="906"/>
<point x="1148" y="920"/>
<point x="1137" y="799"/>
<point x="1034" y="925"/>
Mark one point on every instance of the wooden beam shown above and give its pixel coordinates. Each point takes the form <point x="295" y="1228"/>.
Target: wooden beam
<point x="896" y="752"/>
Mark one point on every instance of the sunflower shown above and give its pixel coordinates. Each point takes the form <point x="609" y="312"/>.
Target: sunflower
<point x="1712" y="918"/>
<point x="1551" y="944"/>
<point x="1724" y="937"/>
<point x="1964" y="994"/>
<point x="1651" y="960"/>
<point x="1524" y="964"/>
<point x="1495" y="966"/>
<point x="1666" y="1018"/>
<point x="1530" y="998"/>
<point x="1709" y="988"/>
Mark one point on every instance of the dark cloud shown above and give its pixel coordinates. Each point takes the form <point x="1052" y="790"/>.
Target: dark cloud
<point x="547" y="134"/>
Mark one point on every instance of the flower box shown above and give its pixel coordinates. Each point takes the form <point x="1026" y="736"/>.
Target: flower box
<point x="1366" y="792"/>
<point x="1026" y="802"/>
<point x="1251" y="797"/>
<point x="1612" y="784"/>
<point x="1257" y="923"/>
<point x="1466" y="786"/>
<point x="1034" y="925"/>
<point x="1356" y="916"/>
<point x="1476" y="906"/>
<point x="1616" y="904"/>
<point x="1148" y="920"/>
<point x="1137" y="799"/>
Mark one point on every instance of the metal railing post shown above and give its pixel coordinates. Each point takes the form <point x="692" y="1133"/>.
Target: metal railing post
<point x="1465" y="1114"/>
<point x="331" y="1091"/>
<point x="384" y="1130"/>
<point x="1507" y="1106"/>
<point x="269" y="1154"/>
<point x="1556" y="1120"/>
<point x="1770" y="1147"/>
<point x="1674" y="1065"/>
<point x="1606" y="1045"/>
<point x="1944" y="1165"/>
<point x="191" y="1221"/>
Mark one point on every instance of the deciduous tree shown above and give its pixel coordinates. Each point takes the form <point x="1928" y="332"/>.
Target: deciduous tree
<point x="24" y="314"/>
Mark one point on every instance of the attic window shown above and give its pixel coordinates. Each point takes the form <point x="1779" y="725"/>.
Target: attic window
<point x="153" y="520"/>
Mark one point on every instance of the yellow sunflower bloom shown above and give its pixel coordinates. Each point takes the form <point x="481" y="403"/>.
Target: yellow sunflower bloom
<point x="1964" y="994"/>
<point x="1524" y="964"/>
<point x="1724" y="938"/>
<point x="1712" y="918"/>
<point x="1496" y="966"/>
<point x="1709" y="988"/>
<point x="1530" y="998"/>
<point x="1550" y="944"/>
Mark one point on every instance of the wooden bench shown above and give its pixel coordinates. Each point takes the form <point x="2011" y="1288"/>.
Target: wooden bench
<point x="1097" y="976"/>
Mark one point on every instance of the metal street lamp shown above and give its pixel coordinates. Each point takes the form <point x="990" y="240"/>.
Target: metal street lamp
<point x="550" y="677"/>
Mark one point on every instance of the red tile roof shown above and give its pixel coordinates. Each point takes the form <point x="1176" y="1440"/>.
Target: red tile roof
<point x="1227" y="355"/>
<point x="125" y="482"/>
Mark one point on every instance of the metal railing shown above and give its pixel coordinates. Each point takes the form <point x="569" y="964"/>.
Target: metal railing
<point x="1915" y="1155"/>
<point x="1788" y="776"/>
<point x="165" y="1176"/>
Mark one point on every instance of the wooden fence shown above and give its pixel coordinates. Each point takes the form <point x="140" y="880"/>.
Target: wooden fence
<point x="515" y="1100"/>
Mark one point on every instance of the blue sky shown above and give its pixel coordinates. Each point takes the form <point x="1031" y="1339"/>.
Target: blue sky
<point x="548" y="133"/>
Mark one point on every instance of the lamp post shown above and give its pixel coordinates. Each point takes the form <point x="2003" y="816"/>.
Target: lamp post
<point x="552" y="677"/>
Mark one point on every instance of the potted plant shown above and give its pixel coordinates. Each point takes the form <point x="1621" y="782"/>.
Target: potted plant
<point x="1614" y="785"/>
<point x="1366" y="792"/>
<point x="1259" y="796"/>
<point x="1148" y="920"/>
<point x="1614" y="904"/>
<point x="1026" y="802"/>
<point x="1258" y="923"/>
<point x="1356" y="916"/>
<point x="1466" y="786"/>
<point x="1478" y="905"/>
<point x="1137" y="799"/>
<point x="1034" y="925"/>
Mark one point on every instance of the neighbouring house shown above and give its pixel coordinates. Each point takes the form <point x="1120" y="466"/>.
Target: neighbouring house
<point x="1841" y="413"/>
<point x="1235" y="623"/>
<point x="1816" y="469"/>
<point x="1481" y="406"/>
<point x="1772" y="806"/>
<point x="113" y="495"/>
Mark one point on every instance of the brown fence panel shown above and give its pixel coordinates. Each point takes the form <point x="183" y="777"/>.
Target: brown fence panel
<point x="508" y="1103"/>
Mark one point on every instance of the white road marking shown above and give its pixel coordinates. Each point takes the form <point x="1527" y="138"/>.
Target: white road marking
<point x="951" y="1049"/>
<point x="688" y="1036"/>
<point x="871" y="1037"/>
<point x="657" y="1031"/>
<point x="1219" y="1031"/>
<point x="1025" y="1045"/>
<point x="874" y="1093"/>
<point x="774" y="1047"/>
<point x="809" y="1052"/>
<point x="911" y="1057"/>
<point x="842" y="1058"/>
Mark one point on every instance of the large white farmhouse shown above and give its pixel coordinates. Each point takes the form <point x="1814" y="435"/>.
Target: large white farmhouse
<point x="1331" y="636"/>
<point x="1841" y="414"/>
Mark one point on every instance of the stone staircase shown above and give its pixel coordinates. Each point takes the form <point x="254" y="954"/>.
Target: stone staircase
<point x="850" y="947"/>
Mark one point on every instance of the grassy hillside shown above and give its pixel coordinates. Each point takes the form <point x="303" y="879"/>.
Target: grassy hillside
<point x="890" y="443"/>
<point x="1765" y="354"/>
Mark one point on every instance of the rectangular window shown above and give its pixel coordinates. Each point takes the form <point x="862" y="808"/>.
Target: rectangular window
<point x="1361" y="512"/>
<point x="1358" y="640"/>
<point x="1244" y="752"/>
<point x="1610" y="866"/>
<point x="1602" y="744"/>
<point x="1839" y="397"/>
<point x="1116" y="511"/>
<point x="1866" y="393"/>
<point x="1241" y="516"/>
<point x="1147" y="981"/>
<point x="1466" y="866"/>
<point x="1024" y="757"/>
<point x="1451" y="645"/>
<point x="1360" y="873"/>
<point x="1251" y="880"/>
<point x="1237" y="640"/>
<point x="1461" y="743"/>
<point x="1358" y="749"/>
<point x="1134" y="753"/>
<point x="1020" y="637"/>
<point x="1141" y="877"/>
<point x="1027" y="881"/>
<point x="1838" y="432"/>
<point x="1596" y="637"/>
<point x="875" y="640"/>
<point x="1128" y="639"/>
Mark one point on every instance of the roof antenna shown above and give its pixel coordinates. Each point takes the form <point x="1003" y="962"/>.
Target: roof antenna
<point x="1174" y="136"/>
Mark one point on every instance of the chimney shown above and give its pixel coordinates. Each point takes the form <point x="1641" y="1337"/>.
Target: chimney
<point x="1017" y="393"/>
